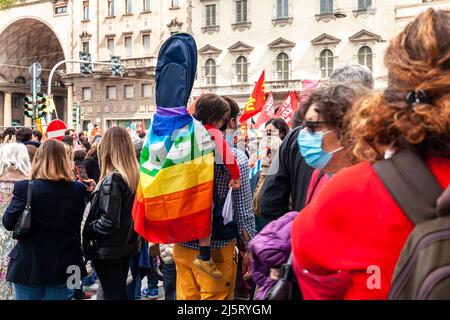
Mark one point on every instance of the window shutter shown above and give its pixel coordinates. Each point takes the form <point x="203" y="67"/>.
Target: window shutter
<point x="361" y="4"/>
<point x="208" y="16"/>
<point x="285" y="8"/>
<point x="213" y="15"/>
<point x="279" y="8"/>
<point x="239" y="11"/>
<point x="244" y="10"/>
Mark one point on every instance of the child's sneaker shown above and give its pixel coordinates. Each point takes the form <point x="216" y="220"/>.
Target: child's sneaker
<point x="209" y="267"/>
<point x="150" y="294"/>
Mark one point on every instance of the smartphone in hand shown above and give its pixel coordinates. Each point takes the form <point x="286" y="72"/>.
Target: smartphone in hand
<point x="82" y="173"/>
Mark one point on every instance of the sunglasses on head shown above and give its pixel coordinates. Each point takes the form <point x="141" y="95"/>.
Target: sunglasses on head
<point x="312" y="126"/>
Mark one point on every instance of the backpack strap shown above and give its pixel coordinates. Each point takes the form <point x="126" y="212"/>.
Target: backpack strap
<point x="411" y="184"/>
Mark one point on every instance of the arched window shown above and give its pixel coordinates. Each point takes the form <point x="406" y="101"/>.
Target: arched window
<point x="20" y="80"/>
<point x="210" y="71"/>
<point x="282" y="67"/>
<point x="365" y="57"/>
<point x="242" y="69"/>
<point x="326" y="63"/>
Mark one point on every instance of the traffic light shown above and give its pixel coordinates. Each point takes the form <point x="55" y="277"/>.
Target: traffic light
<point x="85" y="68"/>
<point x="41" y="105"/>
<point x="28" y="107"/>
<point x="117" y="67"/>
<point x="76" y="116"/>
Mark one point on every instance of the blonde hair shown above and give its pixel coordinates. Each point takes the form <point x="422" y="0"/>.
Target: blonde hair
<point x="14" y="155"/>
<point x="116" y="154"/>
<point x="52" y="162"/>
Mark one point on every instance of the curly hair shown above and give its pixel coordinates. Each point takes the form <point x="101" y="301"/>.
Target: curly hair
<point x="417" y="59"/>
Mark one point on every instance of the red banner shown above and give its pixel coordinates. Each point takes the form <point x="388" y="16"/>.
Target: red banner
<point x="267" y="113"/>
<point x="286" y="111"/>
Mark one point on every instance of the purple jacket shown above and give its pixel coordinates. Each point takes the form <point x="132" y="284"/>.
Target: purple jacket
<point x="270" y="249"/>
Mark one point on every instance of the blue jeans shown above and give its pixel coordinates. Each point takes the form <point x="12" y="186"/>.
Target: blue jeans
<point x="169" y="272"/>
<point x="58" y="292"/>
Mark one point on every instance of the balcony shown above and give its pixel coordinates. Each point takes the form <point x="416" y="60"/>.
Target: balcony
<point x="131" y="64"/>
<point x="283" y="85"/>
<point x="138" y="63"/>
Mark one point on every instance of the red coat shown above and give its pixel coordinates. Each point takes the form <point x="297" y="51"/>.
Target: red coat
<point x="353" y="224"/>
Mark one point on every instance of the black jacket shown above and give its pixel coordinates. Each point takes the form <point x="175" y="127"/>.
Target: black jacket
<point x="41" y="258"/>
<point x="109" y="231"/>
<point x="291" y="180"/>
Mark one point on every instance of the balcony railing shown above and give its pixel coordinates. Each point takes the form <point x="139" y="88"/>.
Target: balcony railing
<point x="283" y="85"/>
<point x="136" y="63"/>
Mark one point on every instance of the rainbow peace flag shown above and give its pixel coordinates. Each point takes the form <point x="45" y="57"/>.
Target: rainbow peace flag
<point x="174" y="198"/>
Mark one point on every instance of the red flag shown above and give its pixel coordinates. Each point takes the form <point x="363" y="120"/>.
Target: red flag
<point x="285" y="111"/>
<point x="307" y="85"/>
<point x="267" y="113"/>
<point x="143" y="126"/>
<point x="256" y="100"/>
<point x="294" y="101"/>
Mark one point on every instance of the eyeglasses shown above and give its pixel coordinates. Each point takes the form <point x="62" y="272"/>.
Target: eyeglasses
<point x="312" y="126"/>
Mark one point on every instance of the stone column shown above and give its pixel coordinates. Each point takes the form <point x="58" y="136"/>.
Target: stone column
<point x="7" y="115"/>
<point x="69" y="116"/>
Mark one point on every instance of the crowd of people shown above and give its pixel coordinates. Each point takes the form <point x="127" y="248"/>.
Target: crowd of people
<point x="319" y="201"/>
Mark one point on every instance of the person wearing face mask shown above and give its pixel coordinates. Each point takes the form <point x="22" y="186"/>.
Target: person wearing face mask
<point x="321" y="142"/>
<point x="276" y="130"/>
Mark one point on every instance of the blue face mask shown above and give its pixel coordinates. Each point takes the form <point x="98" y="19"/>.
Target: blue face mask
<point x="311" y="148"/>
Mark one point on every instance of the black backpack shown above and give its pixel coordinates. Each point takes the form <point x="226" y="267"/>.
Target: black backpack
<point x="423" y="268"/>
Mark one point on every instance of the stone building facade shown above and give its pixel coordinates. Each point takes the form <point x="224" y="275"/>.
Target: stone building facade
<point x="291" y="40"/>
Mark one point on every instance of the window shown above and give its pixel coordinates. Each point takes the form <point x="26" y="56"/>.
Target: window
<point x="241" y="11"/>
<point x="364" y="4"/>
<point x="175" y="3"/>
<point x="20" y="80"/>
<point x="365" y="57"/>
<point x="146" y="90"/>
<point x="86" y="93"/>
<point x="110" y="8"/>
<point x="85" y="46"/>
<point x="128" y="41"/>
<point x="111" y="92"/>
<point x="110" y="45"/>
<point x="147" y="6"/>
<point x="210" y="71"/>
<point x="282" y="67"/>
<point x="85" y="10"/>
<point x="326" y="63"/>
<point x="146" y="44"/>
<point x="282" y="9"/>
<point x="210" y="15"/>
<point x="242" y="69"/>
<point x="61" y="10"/>
<point x="128" y="91"/>
<point x="326" y="6"/>
<point x="128" y="6"/>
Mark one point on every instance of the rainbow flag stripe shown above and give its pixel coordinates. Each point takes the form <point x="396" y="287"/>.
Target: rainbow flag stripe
<point x="174" y="198"/>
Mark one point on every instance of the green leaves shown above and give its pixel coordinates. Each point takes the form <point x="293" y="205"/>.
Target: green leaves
<point x="5" y="4"/>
